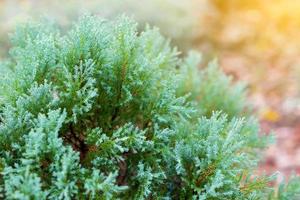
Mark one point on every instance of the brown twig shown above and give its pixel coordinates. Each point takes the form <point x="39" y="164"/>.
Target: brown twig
<point x="79" y="143"/>
<point x="121" y="179"/>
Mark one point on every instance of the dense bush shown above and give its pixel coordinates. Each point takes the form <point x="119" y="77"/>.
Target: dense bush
<point x="105" y="112"/>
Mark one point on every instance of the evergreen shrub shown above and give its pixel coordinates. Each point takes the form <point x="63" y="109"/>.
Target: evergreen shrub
<point x="106" y="112"/>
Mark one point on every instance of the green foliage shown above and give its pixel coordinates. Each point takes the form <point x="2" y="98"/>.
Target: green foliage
<point x="211" y="88"/>
<point x="289" y="190"/>
<point x="104" y="112"/>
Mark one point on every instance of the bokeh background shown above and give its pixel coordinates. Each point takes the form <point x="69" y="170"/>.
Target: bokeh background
<point x="256" y="41"/>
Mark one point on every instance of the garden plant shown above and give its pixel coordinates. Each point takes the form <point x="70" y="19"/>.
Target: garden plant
<point x="104" y="111"/>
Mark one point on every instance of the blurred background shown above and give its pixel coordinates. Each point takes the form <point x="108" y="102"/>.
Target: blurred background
<point x="256" y="41"/>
